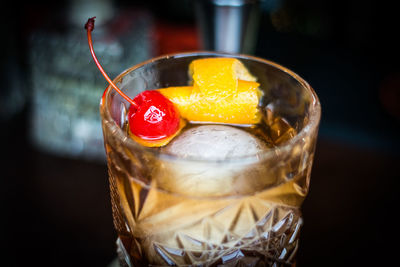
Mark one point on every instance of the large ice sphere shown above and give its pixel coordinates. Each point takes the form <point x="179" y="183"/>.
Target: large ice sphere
<point x="215" y="142"/>
<point x="212" y="162"/>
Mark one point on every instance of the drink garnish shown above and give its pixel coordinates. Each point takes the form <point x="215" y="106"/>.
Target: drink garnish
<point x="218" y="77"/>
<point x="238" y="108"/>
<point x="223" y="91"/>
<point x="155" y="121"/>
<point x="153" y="118"/>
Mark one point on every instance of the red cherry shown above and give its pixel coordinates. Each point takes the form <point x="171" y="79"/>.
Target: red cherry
<point x="154" y="118"/>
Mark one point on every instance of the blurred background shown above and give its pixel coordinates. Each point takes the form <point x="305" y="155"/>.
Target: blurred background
<point x="53" y="183"/>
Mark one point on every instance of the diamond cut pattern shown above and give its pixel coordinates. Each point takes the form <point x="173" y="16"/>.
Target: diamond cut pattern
<point x="173" y="230"/>
<point x="227" y="235"/>
<point x="162" y="229"/>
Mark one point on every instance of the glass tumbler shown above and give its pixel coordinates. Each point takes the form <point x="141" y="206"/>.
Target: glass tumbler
<point x="238" y="211"/>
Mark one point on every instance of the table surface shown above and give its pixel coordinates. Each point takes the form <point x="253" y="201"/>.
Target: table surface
<point x="58" y="213"/>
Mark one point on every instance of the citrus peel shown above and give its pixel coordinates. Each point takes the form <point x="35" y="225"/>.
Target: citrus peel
<point x="218" y="77"/>
<point x="222" y="91"/>
<point x="238" y="108"/>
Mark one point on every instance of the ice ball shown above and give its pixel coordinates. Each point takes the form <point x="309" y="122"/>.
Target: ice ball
<point x="215" y="142"/>
<point x="212" y="164"/>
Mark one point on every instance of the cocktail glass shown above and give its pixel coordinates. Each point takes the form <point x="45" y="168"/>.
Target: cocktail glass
<point x="237" y="211"/>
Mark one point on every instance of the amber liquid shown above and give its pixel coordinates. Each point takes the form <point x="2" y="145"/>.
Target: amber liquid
<point x="260" y="227"/>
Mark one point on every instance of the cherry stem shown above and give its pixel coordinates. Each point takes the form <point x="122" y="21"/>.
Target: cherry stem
<point x="89" y="26"/>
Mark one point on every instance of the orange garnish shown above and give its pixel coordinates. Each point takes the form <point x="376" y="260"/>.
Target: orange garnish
<point x="223" y="91"/>
<point x="218" y="77"/>
<point x="237" y="108"/>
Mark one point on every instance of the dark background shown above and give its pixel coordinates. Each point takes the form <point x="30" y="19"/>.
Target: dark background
<point x="56" y="210"/>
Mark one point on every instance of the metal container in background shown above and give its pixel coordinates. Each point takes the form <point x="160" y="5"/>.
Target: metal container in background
<point x="228" y="25"/>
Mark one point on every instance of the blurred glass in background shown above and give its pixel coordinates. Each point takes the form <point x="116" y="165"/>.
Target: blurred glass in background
<point x="66" y="84"/>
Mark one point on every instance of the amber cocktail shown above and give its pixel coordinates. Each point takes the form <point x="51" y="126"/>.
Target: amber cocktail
<point x="217" y="194"/>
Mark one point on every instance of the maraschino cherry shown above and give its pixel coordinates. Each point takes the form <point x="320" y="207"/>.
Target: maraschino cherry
<point x="152" y="117"/>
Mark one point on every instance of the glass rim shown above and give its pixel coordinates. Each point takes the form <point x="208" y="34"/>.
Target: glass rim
<point x="311" y="126"/>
